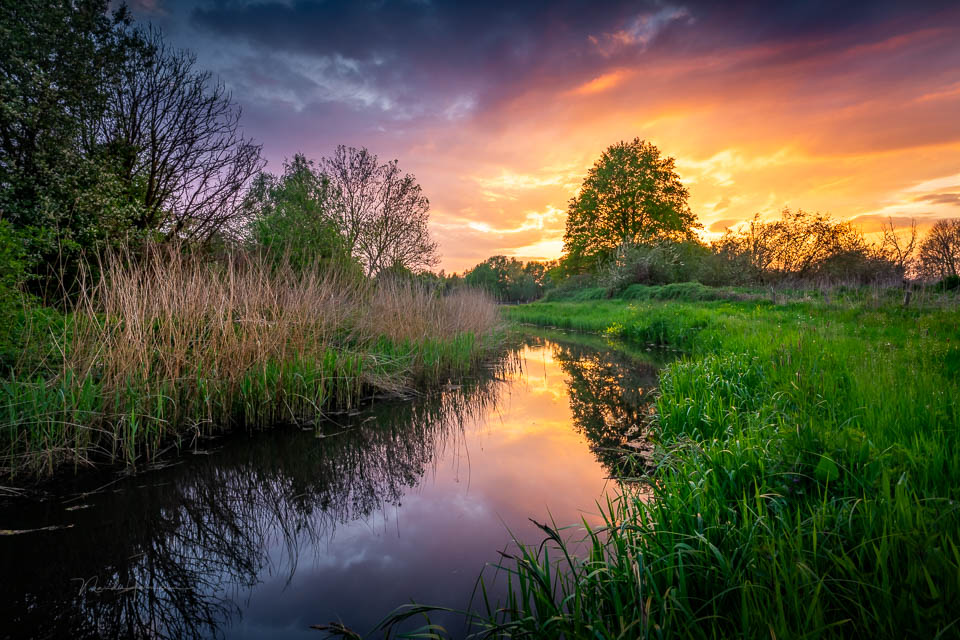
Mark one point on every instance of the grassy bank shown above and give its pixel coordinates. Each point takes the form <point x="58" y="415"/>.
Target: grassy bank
<point x="155" y="354"/>
<point x="807" y="482"/>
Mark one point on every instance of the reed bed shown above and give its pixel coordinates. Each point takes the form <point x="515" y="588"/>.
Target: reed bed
<point x="164" y="349"/>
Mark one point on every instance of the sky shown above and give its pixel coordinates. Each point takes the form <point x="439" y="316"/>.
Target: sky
<point x="500" y="107"/>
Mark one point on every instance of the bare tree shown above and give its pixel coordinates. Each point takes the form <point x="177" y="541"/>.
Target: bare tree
<point x="353" y="174"/>
<point x="801" y="245"/>
<point x="940" y="250"/>
<point x="382" y="212"/>
<point x="177" y="132"/>
<point x="899" y="250"/>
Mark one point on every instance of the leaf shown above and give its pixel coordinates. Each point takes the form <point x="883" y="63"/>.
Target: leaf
<point x="827" y="470"/>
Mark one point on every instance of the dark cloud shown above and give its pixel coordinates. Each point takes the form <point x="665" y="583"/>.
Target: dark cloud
<point x="411" y="58"/>
<point x="940" y="198"/>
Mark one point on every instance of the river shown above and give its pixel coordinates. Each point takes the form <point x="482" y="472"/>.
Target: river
<point x="265" y="534"/>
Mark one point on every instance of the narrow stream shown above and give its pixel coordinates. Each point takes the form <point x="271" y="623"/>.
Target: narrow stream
<point x="267" y="534"/>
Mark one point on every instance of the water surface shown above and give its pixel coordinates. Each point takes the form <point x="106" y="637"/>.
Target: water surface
<point x="264" y="535"/>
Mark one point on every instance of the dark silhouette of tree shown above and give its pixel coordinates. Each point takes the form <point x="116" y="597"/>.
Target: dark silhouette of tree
<point x="175" y="132"/>
<point x="897" y="249"/>
<point x="940" y="250"/>
<point x="632" y="194"/>
<point x="802" y="245"/>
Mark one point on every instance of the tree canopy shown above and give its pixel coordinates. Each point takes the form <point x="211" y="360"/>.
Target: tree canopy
<point x="383" y="214"/>
<point x="509" y="279"/>
<point x="940" y="250"/>
<point x="631" y="194"/>
<point x="292" y="216"/>
<point x="108" y="136"/>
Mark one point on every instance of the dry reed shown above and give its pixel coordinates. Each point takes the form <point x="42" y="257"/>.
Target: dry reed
<point x="169" y="346"/>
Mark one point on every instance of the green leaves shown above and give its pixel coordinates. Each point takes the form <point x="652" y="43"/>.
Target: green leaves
<point x="827" y="470"/>
<point x="632" y="194"/>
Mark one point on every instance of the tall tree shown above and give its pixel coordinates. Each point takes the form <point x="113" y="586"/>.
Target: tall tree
<point x="383" y="213"/>
<point x="57" y="59"/>
<point x="175" y="132"/>
<point x="632" y="194"/>
<point x="291" y="217"/>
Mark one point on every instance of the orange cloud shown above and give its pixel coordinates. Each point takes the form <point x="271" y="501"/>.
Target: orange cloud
<point x="602" y="83"/>
<point x="867" y="132"/>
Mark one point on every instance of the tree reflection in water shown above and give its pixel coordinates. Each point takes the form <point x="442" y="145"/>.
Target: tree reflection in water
<point x="611" y="395"/>
<point x="168" y="560"/>
<point x="175" y="552"/>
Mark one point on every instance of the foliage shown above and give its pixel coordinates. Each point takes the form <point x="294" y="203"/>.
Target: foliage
<point x="663" y="262"/>
<point x="785" y="497"/>
<point x="803" y="246"/>
<point x="12" y="273"/>
<point x="173" y="136"/>
<point x="108" y="138"/>
<point x="57" y="187"/>
<point x="509" y="279"/>
<point x="164" y="348"/>
<point x="940" y="250"/>
<point x="631" y="195"/>
<point x="292" y="217"/>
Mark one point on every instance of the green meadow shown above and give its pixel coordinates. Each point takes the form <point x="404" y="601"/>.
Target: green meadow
<point x="805" y="481"/>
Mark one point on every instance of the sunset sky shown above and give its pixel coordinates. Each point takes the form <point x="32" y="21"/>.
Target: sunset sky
<point x="499" y="108"/>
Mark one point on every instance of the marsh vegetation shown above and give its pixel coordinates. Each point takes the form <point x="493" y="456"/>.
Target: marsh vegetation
<point x="275" y="531"/>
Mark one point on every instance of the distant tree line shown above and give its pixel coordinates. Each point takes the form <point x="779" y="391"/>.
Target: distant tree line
<point x="509" y="279"/>
<point x="110" y="138"/>
<point x="630" y="224"/>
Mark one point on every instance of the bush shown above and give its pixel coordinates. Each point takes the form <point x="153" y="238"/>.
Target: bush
<point x="12" y="299"/>
<point x="689" y="291"/>
<point x="950" y="283"/>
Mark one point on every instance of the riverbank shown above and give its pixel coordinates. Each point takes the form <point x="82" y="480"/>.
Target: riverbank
<point x="265" y="533"/>
<point x="156" y="354"/>
<point x="806" y="482"/>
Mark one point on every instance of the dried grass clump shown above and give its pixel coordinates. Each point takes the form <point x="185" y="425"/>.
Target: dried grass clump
<point x="169" y="346"/>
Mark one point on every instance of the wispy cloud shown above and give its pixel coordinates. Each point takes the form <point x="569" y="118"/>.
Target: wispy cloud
<point x="639" y="31"/>
<point x="500" y="107"/>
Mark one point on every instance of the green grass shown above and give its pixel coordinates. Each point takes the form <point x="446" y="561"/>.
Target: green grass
<point x="158" y="353"/>
<point x="807" y="482"/>
<point x="52" y="417"/>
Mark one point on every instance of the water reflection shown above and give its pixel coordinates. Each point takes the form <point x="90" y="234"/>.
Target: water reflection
<point x="281" y="530"/>
<point x="611" y="394"/>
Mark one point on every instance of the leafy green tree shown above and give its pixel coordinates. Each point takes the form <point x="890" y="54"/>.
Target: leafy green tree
<point x="56" y="185"/>
<point x="292" y="217"/>
<point x="632" y="194"/>
<point x="509" y="279"/>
